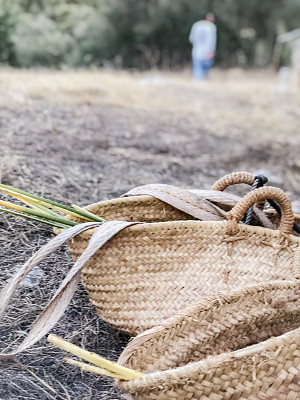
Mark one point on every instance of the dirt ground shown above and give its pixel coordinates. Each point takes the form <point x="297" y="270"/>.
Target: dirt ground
<point x="81" y="137"/>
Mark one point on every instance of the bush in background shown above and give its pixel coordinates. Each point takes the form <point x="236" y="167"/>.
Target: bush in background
<point x="138" y="33"/>
<point x="38" y="41"/>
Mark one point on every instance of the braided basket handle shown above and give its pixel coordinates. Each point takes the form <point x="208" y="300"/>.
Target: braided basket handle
<point x="233" y="179"/>
<point x="237" y="213"/>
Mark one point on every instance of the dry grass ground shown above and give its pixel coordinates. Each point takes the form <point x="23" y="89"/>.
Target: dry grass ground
<point x="91" y="135"/>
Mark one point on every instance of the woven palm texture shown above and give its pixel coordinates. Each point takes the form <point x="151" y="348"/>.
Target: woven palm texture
<point x="149" y="271"/>
<point x="141" y="264"/>
<point x="241" y="345"/>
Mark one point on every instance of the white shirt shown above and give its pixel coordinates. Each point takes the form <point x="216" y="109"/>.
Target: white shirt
<point x="203" y="37"/>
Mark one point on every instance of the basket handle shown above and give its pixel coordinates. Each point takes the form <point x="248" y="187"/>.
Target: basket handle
<point x="236" y="214"/>
<point x="235" y="178"/>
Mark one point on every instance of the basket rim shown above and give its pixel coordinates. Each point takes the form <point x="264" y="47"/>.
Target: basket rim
<point x="123" y="202"/>
<point x="196" y="225"/>
<point x="265" y="350"/>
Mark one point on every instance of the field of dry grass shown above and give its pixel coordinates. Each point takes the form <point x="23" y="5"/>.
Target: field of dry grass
<point x="248" y="101"/>
<point x="80" y="137"/>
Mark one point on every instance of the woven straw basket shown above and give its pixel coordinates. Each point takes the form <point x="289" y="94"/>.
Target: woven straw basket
<point x="236" y="346"/>
<point x="139" y="273"/>
<point x="149" y="271"/>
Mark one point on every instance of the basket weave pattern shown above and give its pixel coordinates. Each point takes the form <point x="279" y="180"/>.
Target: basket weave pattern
<point x="148" y="272"/>
<point x="195" y="355"/>
<point x="137" y="208"/>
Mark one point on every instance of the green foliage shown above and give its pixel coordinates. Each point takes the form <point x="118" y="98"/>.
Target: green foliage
<point x="38" y="41"/>
<point x="8" y="15"/>
<point x="71" y="34"/>
<point x="291" y="14"/>
<point x="138" y="33"/>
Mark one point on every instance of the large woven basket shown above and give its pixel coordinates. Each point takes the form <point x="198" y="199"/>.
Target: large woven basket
<point x="139" y="273"/>
<point x="237" y="346"/>
<point x="149" y="271"/>
<point x="146" y="275"/>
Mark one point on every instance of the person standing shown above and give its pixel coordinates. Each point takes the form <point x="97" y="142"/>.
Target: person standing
<point x="203" y="37"/>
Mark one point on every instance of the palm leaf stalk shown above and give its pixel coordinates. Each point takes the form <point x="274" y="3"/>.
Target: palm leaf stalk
<point x="35" y="219"/>
<point x="39" y="207"/>
<point x="103" y="366"/>
<point x="50" y="204"/>
<point x="92" y="368"/>
<point x="42" y="210"/>
<point x="37" y="204"/>
<point x="39" y="214"/>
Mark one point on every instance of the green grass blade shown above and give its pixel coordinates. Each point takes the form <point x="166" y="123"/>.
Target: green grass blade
<point x="37" y="213"/>
<point x="80" y="209"/>
<point x="32" y="218"/>
<point x="34" y="202"/>
<point x="37" y="207"/>
<point x="58" y="206"/>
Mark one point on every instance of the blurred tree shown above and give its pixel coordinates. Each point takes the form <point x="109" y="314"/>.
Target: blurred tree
<point x="38" y="41"/>
<point x="8" y="17"/>
<point x="291" y="14"/>
<point x="138" y="33"/>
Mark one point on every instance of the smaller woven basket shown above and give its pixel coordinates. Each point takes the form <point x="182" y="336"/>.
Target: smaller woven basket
<point x="149" y="271"/>
<point x="237" y="346"/>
